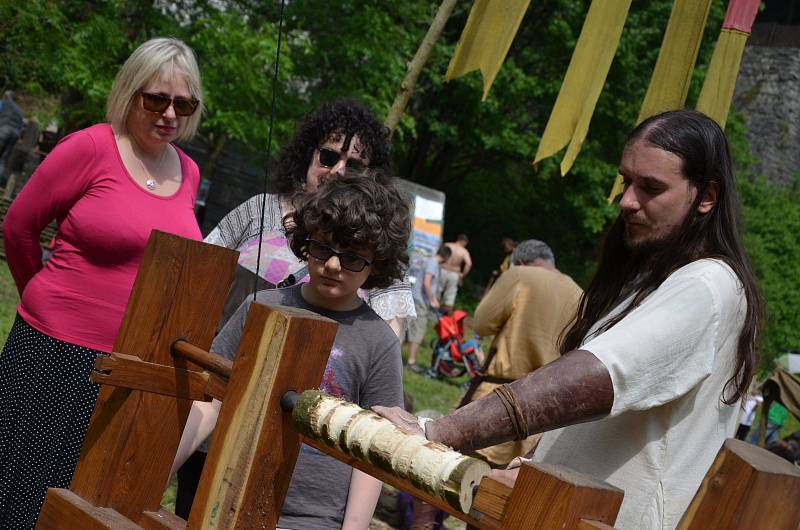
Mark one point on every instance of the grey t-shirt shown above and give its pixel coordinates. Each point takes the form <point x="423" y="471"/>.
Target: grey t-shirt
<point x="430" y="266"/>
<point x="364" y="367"/>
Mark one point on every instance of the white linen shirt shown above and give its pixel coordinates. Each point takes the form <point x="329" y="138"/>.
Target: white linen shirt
<point x="668" y="360"/>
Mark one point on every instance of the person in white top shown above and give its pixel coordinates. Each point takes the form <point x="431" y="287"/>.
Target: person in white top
<point x="662" y="349"/>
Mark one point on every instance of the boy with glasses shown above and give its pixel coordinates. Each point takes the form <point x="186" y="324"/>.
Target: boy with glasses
<point x="353" y="232"/>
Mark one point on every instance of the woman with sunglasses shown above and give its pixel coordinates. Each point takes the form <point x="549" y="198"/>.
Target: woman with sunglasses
<point x="107" y="186"/>
<point x="341" y="135"/>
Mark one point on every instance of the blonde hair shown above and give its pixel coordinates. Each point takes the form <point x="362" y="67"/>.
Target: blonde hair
<point x="161" y="59"/>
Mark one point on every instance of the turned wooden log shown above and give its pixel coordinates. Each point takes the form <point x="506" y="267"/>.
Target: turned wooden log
<point x="362" y="434"/>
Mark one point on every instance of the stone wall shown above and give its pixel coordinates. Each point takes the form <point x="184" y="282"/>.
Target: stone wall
<point x="768" y="95"/>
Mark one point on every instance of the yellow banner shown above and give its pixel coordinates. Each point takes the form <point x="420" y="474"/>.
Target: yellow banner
<point x="586" y="75"/>
<point x="484" y="43"/>
<point x="669" y="83"/>
<point x="717" y="92"/>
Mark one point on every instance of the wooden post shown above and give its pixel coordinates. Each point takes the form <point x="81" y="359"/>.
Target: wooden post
<point x="133" y="435"/>
<point x="417" y="64"/>
<point x="254" y="447"/>
<point x="746" y="487"/>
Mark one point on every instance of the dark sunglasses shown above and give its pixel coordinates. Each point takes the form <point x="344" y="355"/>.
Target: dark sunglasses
<point x="348" y="260"/>
<point x="160" y="103"/>
<point x="329" y="158"/>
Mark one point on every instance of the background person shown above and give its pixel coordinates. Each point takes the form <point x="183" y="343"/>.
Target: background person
<point x="526" y="311"/>
<point x="11" y="122"/>
<point x="508" y="245"/>
<point x="107" y="186"/>
<point x="454" y="270"/>
<point x="663" y="348"/>
<point x="426" y="305"/>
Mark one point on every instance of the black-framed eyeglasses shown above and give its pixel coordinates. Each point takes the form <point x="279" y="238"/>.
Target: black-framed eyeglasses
<point x="348" y="260"/>
<point x="160" y="103"/>
<point x="329" y="158"/>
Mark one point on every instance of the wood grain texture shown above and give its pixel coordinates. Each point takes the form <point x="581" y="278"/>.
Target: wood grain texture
<point x="492" y="496"/>
<point x="746" y="487"/>
<point x="254" y="447"/>
<point x="550" y="496"/>
<point x="129" y="371"/>
<point x="64" y="510"/>
<point x="133" y="435"/>
<point x="161" y="520"/>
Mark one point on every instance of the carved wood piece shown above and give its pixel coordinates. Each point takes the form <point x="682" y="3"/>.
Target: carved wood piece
<point x="550" y="496"/>
<point x="746" y="487"/>
<point x="478" y="520"/>
<point x="429" y="466"/>
<point x="129" y="371"/>
<point x="64" y="510"/>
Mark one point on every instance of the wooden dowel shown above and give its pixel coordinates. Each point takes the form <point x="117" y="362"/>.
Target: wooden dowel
<point x="212" y="362"/>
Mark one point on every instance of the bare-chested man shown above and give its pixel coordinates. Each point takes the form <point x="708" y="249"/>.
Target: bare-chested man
<point x="454" y="270"/>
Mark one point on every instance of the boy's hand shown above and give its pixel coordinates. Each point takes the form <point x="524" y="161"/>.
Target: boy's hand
<point x="405" y="421"/>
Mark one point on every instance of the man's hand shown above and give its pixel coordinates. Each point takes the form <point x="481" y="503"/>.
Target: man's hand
<point x="405" y="421"/>
<point x="434" y="303"/>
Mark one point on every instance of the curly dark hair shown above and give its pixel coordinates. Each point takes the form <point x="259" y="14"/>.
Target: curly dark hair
<point x="358" y="213"/>
<point x="341" y="117"/>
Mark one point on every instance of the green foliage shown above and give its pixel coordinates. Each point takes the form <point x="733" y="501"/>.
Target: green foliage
<point x="771" y="214"/>
<point x="478" y="153"/>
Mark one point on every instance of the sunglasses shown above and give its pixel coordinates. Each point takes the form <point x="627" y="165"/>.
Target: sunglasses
<point x="160" y="103"/>
<point x="348" y="260"/>
<point x="329" y="158"/>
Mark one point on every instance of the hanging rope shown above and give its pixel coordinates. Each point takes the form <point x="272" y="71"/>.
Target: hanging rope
<point x="269" y="149"/>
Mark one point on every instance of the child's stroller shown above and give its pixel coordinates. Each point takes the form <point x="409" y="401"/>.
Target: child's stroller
<point x="452" y="355"/>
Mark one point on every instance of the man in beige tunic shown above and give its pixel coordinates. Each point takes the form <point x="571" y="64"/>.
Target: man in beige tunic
<point x="526" y="310"/>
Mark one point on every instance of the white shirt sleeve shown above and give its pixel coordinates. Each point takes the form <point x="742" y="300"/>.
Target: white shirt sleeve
<point x="666" y="346"/>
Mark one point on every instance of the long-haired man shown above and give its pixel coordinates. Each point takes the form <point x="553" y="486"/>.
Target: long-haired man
<point x="663" y="345"/>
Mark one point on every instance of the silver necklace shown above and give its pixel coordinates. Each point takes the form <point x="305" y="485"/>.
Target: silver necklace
<point x="150" y="183"/>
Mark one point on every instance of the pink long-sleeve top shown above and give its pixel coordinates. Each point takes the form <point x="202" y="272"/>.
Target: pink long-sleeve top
<point x="104" y="220"/>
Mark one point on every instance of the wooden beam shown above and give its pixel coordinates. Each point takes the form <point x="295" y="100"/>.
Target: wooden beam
<point x="161" y="520"/>
<point x="746" y="487"/>
<point x="65" y="510"/>
<point x="129" y="371"/>
<point x="210" y="361"/>
<point x="133" y="435"/>
<point x="550" y="496"/>
<point x="254" y="447"/>
<point x="216" y="386"/>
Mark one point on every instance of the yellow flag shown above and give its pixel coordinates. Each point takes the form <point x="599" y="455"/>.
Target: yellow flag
<point x="484" y="43"/>
<point x="717" y="92"/>
<point x="586" y="75"/>
<point x="715" y="97"/>
<point x="669" y="83"/>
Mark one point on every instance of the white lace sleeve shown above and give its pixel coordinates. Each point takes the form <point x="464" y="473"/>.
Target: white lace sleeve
<point x="392" y="302"/>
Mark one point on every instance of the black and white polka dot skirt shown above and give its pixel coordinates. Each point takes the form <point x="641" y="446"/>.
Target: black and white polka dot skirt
<point x="46" y="400"/>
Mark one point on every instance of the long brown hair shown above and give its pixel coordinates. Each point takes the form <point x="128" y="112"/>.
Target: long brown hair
<point x="701" y="145"/>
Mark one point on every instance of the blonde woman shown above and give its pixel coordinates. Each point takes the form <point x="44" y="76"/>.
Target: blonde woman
<point x="107" y="186"/>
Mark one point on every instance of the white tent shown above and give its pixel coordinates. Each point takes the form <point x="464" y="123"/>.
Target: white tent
<point x="790" y="362"/>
